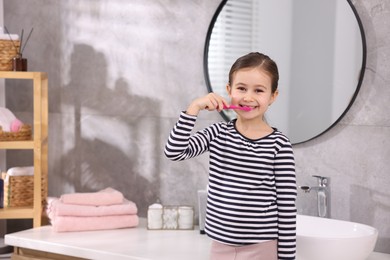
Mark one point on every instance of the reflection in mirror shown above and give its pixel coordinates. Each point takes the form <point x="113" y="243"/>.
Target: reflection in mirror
<point x="319" y="47"/>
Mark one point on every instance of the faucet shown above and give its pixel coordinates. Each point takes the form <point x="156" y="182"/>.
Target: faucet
<point x="322" y="195"/>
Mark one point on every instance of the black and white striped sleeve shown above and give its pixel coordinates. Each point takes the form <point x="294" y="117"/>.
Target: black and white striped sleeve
<point x="181" y="145"/>
<point x="285" y="181"/>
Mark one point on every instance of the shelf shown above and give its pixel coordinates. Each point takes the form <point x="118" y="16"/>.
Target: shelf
<point x="19" y="213"/>
<point x="21" y="74"/>
<point x="39" y="145"/>
<point x="17" y="145"/>
<point x="20" y="144"/>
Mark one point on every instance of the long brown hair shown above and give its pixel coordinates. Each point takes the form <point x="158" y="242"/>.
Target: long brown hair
<point x="254" y="60"/>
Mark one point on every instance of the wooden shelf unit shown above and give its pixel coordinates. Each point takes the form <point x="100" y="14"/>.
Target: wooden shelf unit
<point x="39" y="145"/>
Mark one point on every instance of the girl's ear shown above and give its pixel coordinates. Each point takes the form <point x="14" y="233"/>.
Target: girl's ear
<point x="229" y="89"/>
<point x="274" y="96"/>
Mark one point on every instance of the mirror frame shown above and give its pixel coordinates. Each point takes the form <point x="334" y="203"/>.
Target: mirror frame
<point x="360" y="80"/>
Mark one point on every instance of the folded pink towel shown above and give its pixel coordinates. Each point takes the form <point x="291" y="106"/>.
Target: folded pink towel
<point x="67" y="223"/>
<point x="56" y="208"/>
<point x="108" y="196"/>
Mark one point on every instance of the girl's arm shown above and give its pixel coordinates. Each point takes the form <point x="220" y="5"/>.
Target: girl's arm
<point x="286" y="195"/>
<point x="181" y="145"/>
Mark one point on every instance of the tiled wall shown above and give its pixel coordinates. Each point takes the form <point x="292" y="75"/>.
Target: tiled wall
<point x="120" y="72"/>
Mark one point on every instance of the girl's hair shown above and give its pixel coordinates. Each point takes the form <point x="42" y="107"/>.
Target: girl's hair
<point x="256" y="60"/>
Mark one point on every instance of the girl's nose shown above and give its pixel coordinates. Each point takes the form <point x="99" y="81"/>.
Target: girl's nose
<point x="248" y="97"/>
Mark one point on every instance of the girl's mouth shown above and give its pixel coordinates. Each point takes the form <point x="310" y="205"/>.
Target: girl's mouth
<point x="245" y="108"/>
<point x="248" y="108"/>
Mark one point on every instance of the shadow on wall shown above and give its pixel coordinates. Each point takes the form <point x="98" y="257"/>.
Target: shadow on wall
<point x="373" y="212"/>
<point x="108" y="137"/>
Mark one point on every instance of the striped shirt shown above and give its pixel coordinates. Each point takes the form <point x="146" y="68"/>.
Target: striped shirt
<point x="252" y="185"/>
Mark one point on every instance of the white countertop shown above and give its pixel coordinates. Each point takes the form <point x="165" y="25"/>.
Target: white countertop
<point x="133" y="243"/>
<point x="122" y="244"/>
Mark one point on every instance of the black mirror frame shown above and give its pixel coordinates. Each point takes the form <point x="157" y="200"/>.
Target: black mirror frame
<point x="360" y="81"/>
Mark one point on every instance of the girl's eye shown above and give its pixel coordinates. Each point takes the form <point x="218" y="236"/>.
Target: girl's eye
<point x="259" y="91"/>
<point x="241" y="88"/>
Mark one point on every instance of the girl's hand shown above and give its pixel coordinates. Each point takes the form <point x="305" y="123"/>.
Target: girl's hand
<point x="209" y="102"/>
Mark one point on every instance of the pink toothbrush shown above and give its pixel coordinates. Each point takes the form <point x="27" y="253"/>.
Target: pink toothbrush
<point x="237" y="107"/>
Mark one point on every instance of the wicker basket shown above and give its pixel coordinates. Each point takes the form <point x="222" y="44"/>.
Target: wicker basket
<point x="8" y="50"/>
<point x="23" y="134"/>
<point x="19" y="191"/>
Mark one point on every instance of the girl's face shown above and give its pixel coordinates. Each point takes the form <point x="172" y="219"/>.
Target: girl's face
<point x="251" y="87"/>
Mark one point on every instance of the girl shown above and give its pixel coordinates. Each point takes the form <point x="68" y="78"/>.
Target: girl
<point x="251" y="211"/>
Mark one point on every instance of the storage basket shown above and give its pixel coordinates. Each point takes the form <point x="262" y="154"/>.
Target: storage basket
<point x="19" y="191"/>
<point x="8" y="50"/>
<point x="23" y="134"/>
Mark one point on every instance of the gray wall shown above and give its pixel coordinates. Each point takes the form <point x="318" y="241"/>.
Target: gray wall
<point x="121" y="71"/>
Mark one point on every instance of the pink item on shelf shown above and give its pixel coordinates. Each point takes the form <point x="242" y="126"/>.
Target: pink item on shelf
<point x="56" y="208"/>
<point x="108" y="196"/>
<point x="67" y="223"/>
<point x="6" y="118"/>
<point x="16" y="124"/>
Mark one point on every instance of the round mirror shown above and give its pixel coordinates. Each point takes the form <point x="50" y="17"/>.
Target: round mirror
<point x="320" y="50"/>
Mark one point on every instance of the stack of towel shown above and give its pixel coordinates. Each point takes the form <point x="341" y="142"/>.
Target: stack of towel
<point x="106" y="209"/>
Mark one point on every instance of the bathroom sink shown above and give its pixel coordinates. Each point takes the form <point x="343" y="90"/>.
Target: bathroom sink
<point x="330" y="239"/>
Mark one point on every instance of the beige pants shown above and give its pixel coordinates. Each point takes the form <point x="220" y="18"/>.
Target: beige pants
<point x="261" y="251"/>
